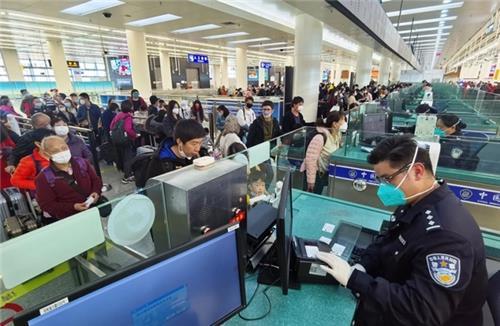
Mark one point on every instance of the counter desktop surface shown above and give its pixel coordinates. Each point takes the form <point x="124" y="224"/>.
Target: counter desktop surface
<point x="313" y="304"/>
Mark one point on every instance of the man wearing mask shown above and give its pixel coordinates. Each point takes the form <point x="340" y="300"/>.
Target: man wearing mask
<point x="246" y="116"/>
<point x="26" y="143"/>
<point x="294" y="119"/>
<point x="138" y="103"/>
<point x="154" y="106"/>
<point x="89" y="114"/>
<point x="265" y="127"/>
<point x="68" y="185"/>
<point x="429" y="268"/>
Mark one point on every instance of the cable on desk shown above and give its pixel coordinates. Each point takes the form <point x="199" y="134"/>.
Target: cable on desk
<point x="268" y="302"/>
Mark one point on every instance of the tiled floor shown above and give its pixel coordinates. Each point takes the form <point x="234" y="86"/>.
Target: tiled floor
<point x="113" y="177"/>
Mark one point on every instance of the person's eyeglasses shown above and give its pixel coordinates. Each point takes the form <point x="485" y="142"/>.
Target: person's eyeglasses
<point x="267" y="109"/>
<point x="387" y="179"/>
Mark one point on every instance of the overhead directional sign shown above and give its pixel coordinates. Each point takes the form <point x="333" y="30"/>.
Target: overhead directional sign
<point x="197" y="58"/>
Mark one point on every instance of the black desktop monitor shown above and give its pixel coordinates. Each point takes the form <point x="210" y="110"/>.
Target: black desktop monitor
<point x="375" y="126"/>
<point x="281" y="252"/>
<point x="200" y="283"/>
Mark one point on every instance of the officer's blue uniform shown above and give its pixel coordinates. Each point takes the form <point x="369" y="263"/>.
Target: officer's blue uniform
<point x="428" y="269"/>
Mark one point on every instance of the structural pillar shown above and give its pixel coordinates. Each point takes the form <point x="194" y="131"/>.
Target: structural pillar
<point x="262" y="74"/>
<point x="364" y="66"/>
<point x="395" y="72"/>
<point x="12" y="65"/>
<point x="137" y="51"/>
<point x="383" y="74"/>
<point x="166" y="71"/>
<point x="224" y="79"/>
<point x="241" y="68"/>
<point x="307" y="71"/>
<point x="59" y="66"/>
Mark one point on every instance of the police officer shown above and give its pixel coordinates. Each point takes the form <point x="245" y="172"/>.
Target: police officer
<point x="455" y="151"/>
<point x="429" y="268"/>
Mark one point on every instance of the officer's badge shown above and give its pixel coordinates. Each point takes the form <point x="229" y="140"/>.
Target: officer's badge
<point x="456" y="152"/>
<point x="444" y="269"/>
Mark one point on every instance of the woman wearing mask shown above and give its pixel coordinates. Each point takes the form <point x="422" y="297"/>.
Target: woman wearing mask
<point x="197" y="112"/>
<point x="76" y="144"/>
<point x="38" y="105"/>
<point x="64" y="114"/>
<point x="294" y="119"/>
<point x="170" y="119"/>
<point x="246" y="116"/>
<point x="138" y="103"/>
<point x="222" y="114"/>
<point x="455" y="150"/>
<point x="68" y="185"/>
<point x="322" y="145"/>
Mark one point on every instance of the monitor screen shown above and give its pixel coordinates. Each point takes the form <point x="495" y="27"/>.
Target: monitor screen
<point x="374" y="124"/>
<point x="284" y="232"/>
<point x="200" y="286"/>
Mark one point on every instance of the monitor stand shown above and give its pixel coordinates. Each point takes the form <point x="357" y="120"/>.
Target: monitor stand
<point x="270" y="274"/>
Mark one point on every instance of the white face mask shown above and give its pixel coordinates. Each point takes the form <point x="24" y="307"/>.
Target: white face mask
<point x="342" y="128"/>
<point x="82" y="102"/>
<point x="300" y="108"/>
<point x="62" y="157"/>
<point x="61" y="130"/>
<point x="183" y="155"/>
<point x="175" y="111"/>
<point x="267" y="114"/>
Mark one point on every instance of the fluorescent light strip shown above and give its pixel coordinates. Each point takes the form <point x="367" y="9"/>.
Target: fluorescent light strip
<point x="426" y="21"/>
<point x="281" y="48"/>
<point x="153" y="20"/>
<point x="214" y="37"/>
<point x="17" y="33"/>
<point x="38" y="18"/>
<point x="407" y="31"/>
<point x="109" y="37"/>
<point x="424" y="36"/>
<point x="425" y="9"/>
<point x="38" y="27"/>
<point x="250" y="40"/>
<point x="198" y="28"/>
<point x="267" y="44"/>
<point x="91" y="7"/>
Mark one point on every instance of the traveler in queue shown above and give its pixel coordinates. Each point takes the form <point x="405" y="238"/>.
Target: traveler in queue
<point x="318" y="152"/>
<point x="222" y="114"/>
<point x="429" y="268"/>
<point x="246" y="116"/>
<point x="138" y="103"/>
<point x="63" y="113"/>
<point x="294" y="119"/>
<point x="197" y="112"/>
<point x="26" y="143"/>
<point x="455" y="150"/>
<point x="89" y="115"/>
<point x="172" y="154"/>
<point x="75" y="143"/>
<point x="154" y="105"/>
<point x="172" y="116"/>
<point x="123" y="136"/>
<point x="63" y="188"/>
<point x="265" y="127"/>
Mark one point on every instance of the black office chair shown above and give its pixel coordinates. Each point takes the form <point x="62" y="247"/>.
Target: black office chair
<point x="494" y="297"/>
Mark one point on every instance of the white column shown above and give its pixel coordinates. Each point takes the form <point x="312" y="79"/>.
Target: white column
<point x="383" y="74"/>
<point x="262" y="75"/>
<point x="395" y="71"/>
<point x="337" y="69"/>
<point x="12" y="65"/>
<point x="241" y="68"/>
<point x="307" y="74"/>
<point x="364" y="66"/>
<point x="139" y="62"/>
<point x="224" y="79"/>
<point x="166" y="72"/>
<point x="59" y="66"/>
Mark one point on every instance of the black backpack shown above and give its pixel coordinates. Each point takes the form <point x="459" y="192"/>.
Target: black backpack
<point x="118" y="134"/>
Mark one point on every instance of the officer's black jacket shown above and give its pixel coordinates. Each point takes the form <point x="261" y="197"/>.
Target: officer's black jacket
<point x="401" y="286"/>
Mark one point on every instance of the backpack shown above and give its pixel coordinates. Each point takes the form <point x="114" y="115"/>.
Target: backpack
<point x="310" y="134"/>
<point x="118" y="134"/>
<point x="149" y="165"/>
<point x="50" y="175"/>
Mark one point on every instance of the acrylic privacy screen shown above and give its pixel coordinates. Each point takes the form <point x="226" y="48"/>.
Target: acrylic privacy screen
<point x="33" y="253"/>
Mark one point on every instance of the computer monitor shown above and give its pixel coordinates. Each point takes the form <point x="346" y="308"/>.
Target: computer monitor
<point x="281" y="252"/>
<point x="200" y="283"/>
<point x="374" y="126"/>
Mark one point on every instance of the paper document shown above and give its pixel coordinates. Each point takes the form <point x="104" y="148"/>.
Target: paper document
<point x="338" y="249"/>
<point x="328" y="227"/>
<point x="311" y="251"/>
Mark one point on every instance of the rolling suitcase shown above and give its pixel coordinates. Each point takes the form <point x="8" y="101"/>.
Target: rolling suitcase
<point x="16" y="201"/>
<point x="145" y="149"/>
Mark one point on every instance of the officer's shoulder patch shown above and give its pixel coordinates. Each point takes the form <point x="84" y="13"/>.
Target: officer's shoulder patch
<point x="444" y="269"/>
<point x="456" y="152"/>
<point x="431" y="219"/>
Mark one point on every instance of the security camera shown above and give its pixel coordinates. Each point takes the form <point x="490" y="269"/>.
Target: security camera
<point x="107" y="14"/>
<point x="106" y="52"/>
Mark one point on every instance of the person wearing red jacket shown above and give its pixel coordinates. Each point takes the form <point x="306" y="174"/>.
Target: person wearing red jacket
<point x="7" y="144"/>
<point x="28" y="168"/>
<point x="67" y="185"/>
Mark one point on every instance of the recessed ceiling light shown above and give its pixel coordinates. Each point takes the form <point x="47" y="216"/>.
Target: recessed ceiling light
<point x="153" y="20"/>
<point x="39" y="27"/>
<point x="425" y="9"/>
<point x="214" y="37"/>
<point x="250" y="40"/>
<point x="407" y="31"/>
<point x="266" y="45"/>
<point x="281" y="48"/>
<point x="91" y="6"/>
<point x="198" y="28"/>
<point x="425" y="21"/>
<point x="446" y="1"/>
<point x="38" y="19"/>
<point x="424" y="36"/>
<point x="443" y="15"/>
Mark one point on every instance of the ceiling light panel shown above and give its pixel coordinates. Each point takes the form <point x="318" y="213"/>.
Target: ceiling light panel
<point x="407" y="31"/>
<point x="425" y="9"/>
<point x="267" y="44"/>
<point x="39" y="27"/>
<point x="419" y="36"/>
<point x="198" y="28"/>
<point x="426" y="21"/>
<point x="91" y="7"/>
<point x="281" y="48"/>
<point x="214" y="37"/>
<point x="250" y="40"/>
<point x="153" y="20"/>
<point x="48" y="20"/>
